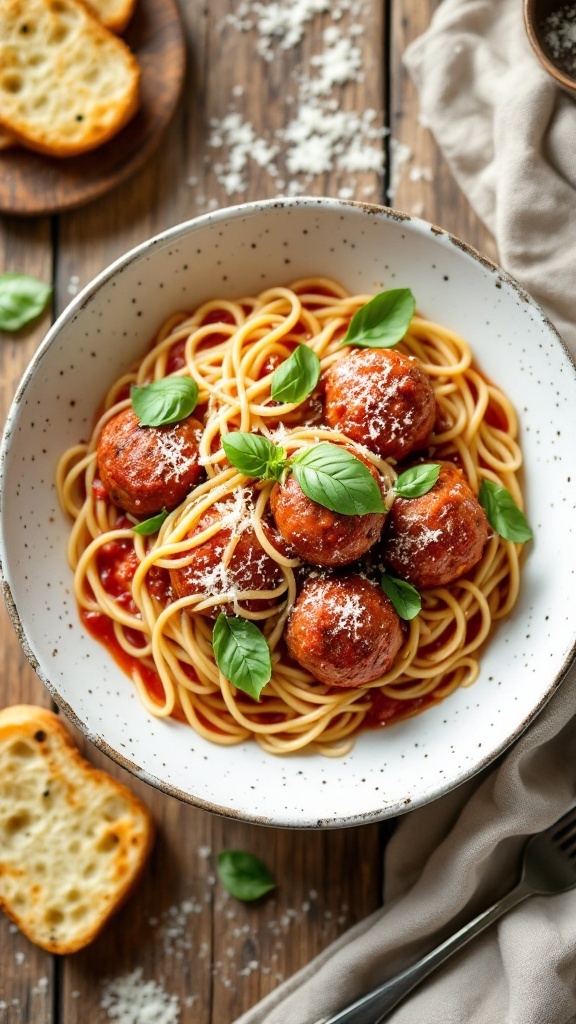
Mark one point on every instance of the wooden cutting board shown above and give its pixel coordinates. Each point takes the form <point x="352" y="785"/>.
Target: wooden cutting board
<point x="32" y="184"/>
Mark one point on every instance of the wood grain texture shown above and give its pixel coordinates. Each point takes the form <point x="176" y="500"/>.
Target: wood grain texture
<point x="26" y="972"/>
<point x="215" y="955"/>
<point x="425" y="186"/>
<point x="32" y="184"/>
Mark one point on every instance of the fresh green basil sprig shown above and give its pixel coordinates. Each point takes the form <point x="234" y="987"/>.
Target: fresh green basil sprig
<point x="254" y="455"/>
<point x="404" y="596"/>
<point x="503" y="513"/>
<point x="22" y="299"/>
<point x="242" y="654"/>
<point x="244" y="875"/>
<point x="383" y="321"/>
<point x="164" y="401"/>
<point x="336" y="479"/>
<point x="418" y="480"/>
<point x="328" y="474"/>
<point x="296" y="377"/>
<point x="149" y="526"/>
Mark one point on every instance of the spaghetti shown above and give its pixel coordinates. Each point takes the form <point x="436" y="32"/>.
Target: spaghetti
<point x="121" y="578"/>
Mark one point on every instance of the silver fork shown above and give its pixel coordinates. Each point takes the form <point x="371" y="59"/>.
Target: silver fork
<point x="548" y="867"/>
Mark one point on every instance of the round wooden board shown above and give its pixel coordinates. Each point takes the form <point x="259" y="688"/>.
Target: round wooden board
<point x="32" y="184"/>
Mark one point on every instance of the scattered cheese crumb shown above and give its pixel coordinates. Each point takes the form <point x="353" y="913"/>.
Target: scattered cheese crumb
<point x="130" y="999"/>
<point x="322" y="136"/>
<point x="400" y="154"/>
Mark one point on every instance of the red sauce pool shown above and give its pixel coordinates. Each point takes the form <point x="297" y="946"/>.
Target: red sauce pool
<point x="387" y="710"/>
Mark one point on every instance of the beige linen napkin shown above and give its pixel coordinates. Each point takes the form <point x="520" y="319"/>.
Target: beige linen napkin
<point x="510" y="137"/>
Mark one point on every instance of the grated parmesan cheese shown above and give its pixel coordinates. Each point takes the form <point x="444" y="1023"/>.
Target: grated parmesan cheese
<point x="172" y="455"/>
<point x="321" y="137"/>
<point x="130" y="999"/>
<point x="560" y="37"/>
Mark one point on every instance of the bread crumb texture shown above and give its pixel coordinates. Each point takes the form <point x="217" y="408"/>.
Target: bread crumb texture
<point x="67" y="84"/>
<point x="73" y="840"/>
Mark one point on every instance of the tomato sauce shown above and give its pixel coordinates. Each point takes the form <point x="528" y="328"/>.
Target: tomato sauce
<point x="387" y="710"/>
<point x="117" y="562"/>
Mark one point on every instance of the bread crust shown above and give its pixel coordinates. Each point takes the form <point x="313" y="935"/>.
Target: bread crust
<point x="114" y="14"/>
<point x="73" y="840"/>
<point x="67" y="83"/>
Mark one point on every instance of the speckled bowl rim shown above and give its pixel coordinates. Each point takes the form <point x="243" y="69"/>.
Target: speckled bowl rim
<point x="172" y="234"/>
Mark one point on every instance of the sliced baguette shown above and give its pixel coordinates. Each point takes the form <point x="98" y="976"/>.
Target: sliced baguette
<point x="73" y="840"/>
<point x="67" y="84"/>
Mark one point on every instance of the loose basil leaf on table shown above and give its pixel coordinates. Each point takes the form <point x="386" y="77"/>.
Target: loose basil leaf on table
<point x="244" y="875"/>
<point x="164" y="401"/>
<point x="503" y="513"/>
<point x="22" y="299"/>
<point x="418" y="480"/>
<point x="254" y="455"/>
<point x="336" y="479"/>
<point x="149" y="526"/>
<point x="383" y="321"/>
<point x="242" y="654"/>
<point x="297" y="376"/>
<point x="404" y="596"/>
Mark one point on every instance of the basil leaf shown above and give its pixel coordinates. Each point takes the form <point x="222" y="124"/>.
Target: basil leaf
<point x="404" y="596"/>
<point x="503" y="513"/>
<point x="22" y="299"/>
<point x="383" y="321"/>
<point x="243" y="875"/>
<point x="297" y="376"/>
<point x="164" y="401"/>
<point x="242" y="654"/>
<point x="152" y="525"/>
<point x="254" y="455"/>
<point x="417" y="481"/>
<point x="336" y="479"/>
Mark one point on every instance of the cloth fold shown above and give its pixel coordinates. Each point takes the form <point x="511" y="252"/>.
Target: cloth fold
<point x="509" y="136"/>
<point x="508" y="133"/>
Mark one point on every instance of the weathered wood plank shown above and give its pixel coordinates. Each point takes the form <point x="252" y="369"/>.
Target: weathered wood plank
<point x="425" y="186"/>
<point x="26" y="973"/>
<point x="326" y="882"/>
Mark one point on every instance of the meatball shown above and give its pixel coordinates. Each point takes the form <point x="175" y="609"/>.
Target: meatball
<point x="146" y="469"/>
<point x="432" y="540"/>
<point x="249" y="567"/>
<point x="318" y="535"/>
<point x="381" y="399"/>
<point x="343" y="630"/>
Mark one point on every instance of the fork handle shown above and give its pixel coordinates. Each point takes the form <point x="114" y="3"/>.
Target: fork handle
<point x="372" y="1008"/>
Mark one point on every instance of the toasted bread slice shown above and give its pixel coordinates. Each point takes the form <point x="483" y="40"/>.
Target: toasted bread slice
<point x="67" y="84"/>
<point x="114" y="14"/>
<point x="73" y="840"/>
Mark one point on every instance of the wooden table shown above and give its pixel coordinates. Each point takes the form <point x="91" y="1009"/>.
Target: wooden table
<point x="217" y="956"/>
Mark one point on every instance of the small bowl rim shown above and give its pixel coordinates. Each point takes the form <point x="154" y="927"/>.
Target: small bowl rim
<point x="529" y="21"/>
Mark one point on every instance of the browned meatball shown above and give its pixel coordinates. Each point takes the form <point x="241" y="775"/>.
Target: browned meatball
<point x="343" y="630"/>
<point x="432" y="540"/>
<point x="382" y="399"/>
<point x="146" y="469"/>
<point x="249" y="568"/>
<point x="318" y="535"/>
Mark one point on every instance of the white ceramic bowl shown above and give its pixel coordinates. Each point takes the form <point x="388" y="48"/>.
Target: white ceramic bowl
<point x="109" y="325"/>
